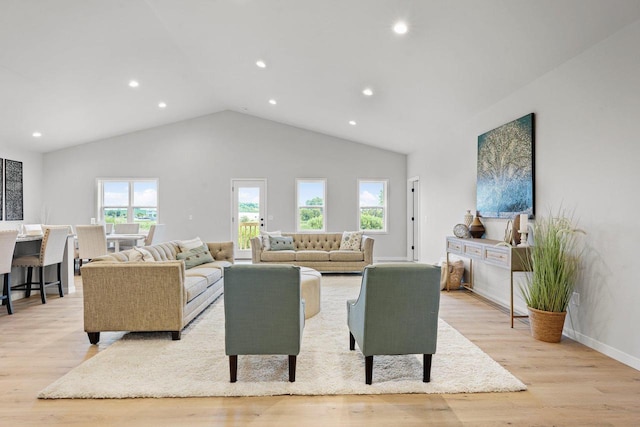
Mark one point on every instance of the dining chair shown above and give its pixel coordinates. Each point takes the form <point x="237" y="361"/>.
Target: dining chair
<point x="92" y="242"/>
<point x="127" y="228"/>
<point x="51" y="253"/>
<point x="396" y="313"/>
<point x="7" y="246"/>
<point x="156" y="235"/>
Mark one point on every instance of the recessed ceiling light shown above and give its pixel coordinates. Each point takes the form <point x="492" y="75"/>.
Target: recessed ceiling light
<point x="400" y="27"/>
<point x="352" y="122"/>
<point x="273" y="102"/>
<point x="261" y="64"/>
<point x="162" y="105"/>
<point x="134" y="83"/>
<point x="36" y="134"/>
<point x="367" y="91"/>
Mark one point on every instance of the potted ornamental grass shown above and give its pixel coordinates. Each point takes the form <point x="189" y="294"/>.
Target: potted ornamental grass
<point x="554" y="263"/>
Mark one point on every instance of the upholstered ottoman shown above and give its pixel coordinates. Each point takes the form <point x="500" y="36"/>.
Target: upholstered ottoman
<point x="310" y="290"/>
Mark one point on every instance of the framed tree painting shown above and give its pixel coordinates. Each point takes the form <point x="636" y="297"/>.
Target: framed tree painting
<point x="505" y="185"/>
<point x="13" y="195"/>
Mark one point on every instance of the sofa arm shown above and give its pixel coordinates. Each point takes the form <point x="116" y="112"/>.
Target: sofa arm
<point x="367" y="248"/>
<point x="221" y="251"/>
<point x="256" y="250"/>
<point x="133" y="296"/>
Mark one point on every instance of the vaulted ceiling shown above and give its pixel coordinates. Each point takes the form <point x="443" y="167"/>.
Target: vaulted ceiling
<point x="66" y="65"/>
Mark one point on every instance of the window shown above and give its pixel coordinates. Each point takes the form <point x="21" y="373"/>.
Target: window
<point x="311" y="196"/>
<point x="128" y="200"/>
<point x="372" y="205"/>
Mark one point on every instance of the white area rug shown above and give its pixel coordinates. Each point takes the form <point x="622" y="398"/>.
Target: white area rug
<point x="152" y="365"/>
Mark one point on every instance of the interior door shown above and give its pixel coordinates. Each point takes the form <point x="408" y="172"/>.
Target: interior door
<point x="248" y="213"/>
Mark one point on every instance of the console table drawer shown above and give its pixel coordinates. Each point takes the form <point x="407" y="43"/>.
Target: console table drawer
<point x="473" y="251"/>
<point x="454" y="247"/>
<point x="497" y="257"/>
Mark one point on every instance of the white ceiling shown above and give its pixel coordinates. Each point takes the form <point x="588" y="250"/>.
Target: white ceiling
<point x="65" y="64"/>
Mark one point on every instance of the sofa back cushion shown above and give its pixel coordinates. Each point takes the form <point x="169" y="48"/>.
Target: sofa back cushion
<point x="316" y="241"/>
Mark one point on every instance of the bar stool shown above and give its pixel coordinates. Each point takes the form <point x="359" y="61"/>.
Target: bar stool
<point x="51" y="252"/>
<point x="7" y="246"/>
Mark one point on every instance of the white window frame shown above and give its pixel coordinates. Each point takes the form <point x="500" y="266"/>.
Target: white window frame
<point x="323" y="206"/>
<point x="130" y="207"/>
<point x="385" y="207"/>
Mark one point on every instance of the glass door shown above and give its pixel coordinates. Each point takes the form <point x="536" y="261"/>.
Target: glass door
<point x="249" y="210"/>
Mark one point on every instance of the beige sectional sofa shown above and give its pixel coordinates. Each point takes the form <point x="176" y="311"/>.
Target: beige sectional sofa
<point x="320" y="251"/>
<point x="125" y="292"/>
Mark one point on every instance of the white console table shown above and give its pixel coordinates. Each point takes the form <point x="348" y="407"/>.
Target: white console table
<point x="488" y="252"/>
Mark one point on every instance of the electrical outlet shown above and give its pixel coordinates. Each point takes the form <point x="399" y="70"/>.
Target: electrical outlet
<point x="575" y="299"/>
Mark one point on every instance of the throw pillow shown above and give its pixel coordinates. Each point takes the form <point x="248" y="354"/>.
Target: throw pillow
<point x="186" y="245"/>
<point x="281" y="243"/>
<point x="196" y="256"/>
<point x="265" y="238"/>
<point x="145" y="255"/>
<point x="351" y="241"/>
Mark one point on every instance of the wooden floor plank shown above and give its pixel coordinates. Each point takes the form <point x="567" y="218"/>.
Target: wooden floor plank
<point x="569" y="384"/>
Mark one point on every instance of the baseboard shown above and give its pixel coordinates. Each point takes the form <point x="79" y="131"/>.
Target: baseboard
<point x="391" y="259"/>
<point x="605" y="349"/>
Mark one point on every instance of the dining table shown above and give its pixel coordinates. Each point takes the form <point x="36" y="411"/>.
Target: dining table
<point x="117" y="238"/>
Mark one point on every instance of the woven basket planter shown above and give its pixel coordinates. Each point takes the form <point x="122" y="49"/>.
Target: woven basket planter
<point x="546" y="325"/>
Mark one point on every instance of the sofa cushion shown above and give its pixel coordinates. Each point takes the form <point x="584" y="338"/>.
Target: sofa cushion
<point x="186" y="245"/>
<point x="211" y="274"/>
<point x="196" y="256"/>
<point x="281" y="256"/>
<point x="264" y="235"/>
<point x="220" y="265"/>
<point x="351" y="240"/>
<point x="312" y="256"/>
<point x="280" y="243"/>
<point x="194" y="286"/>
<point x="346" y="256"/>
<point x="145" y="255"/>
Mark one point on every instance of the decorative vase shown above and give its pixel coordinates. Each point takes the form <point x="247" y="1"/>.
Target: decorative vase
<point x="546" y="325"/>
<point x="476" y="228"/>
<point x="468" y="218"/>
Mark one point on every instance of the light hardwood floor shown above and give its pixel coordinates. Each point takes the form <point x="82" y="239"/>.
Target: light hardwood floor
<point x="568" y="383"/>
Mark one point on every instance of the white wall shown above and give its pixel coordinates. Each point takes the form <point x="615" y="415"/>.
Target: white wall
<point x="587" y="153"/>
<point x="32" y="174"/>
<point x="196" y="159"/>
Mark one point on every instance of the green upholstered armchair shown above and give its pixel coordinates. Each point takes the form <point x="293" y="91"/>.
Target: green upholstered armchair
<point x="264" y="313"/>
<point x="396" y="313"/>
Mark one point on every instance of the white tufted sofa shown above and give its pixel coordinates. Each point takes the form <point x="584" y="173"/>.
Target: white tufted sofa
<point x="320" y="251"/>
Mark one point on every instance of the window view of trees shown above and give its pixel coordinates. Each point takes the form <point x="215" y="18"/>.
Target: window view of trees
<point x="129" y="201"/>
<point x="311" y="205"/>
<point x="373" y="205"/>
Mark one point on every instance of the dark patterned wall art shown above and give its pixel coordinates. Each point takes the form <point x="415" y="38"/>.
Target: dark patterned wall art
<point x="1" y="189"/>
<point x="13" y="191"/>
<point x="506" y="170"/>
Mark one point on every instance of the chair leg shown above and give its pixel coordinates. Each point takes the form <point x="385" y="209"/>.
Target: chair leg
<point x="292" y="369"/>
<point x="175" y="335"/>
<point x="233" y="368"/>
<point x="27" y="289"/>
<point x="6" y="293"/>
<point x="352" y="342"/>
<point x="59" y="268"/>
<point x="426" y="368"/>
<point x="43" y="293"/>
<point x="94" y="337"/>
<point x="368" y="369"/>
